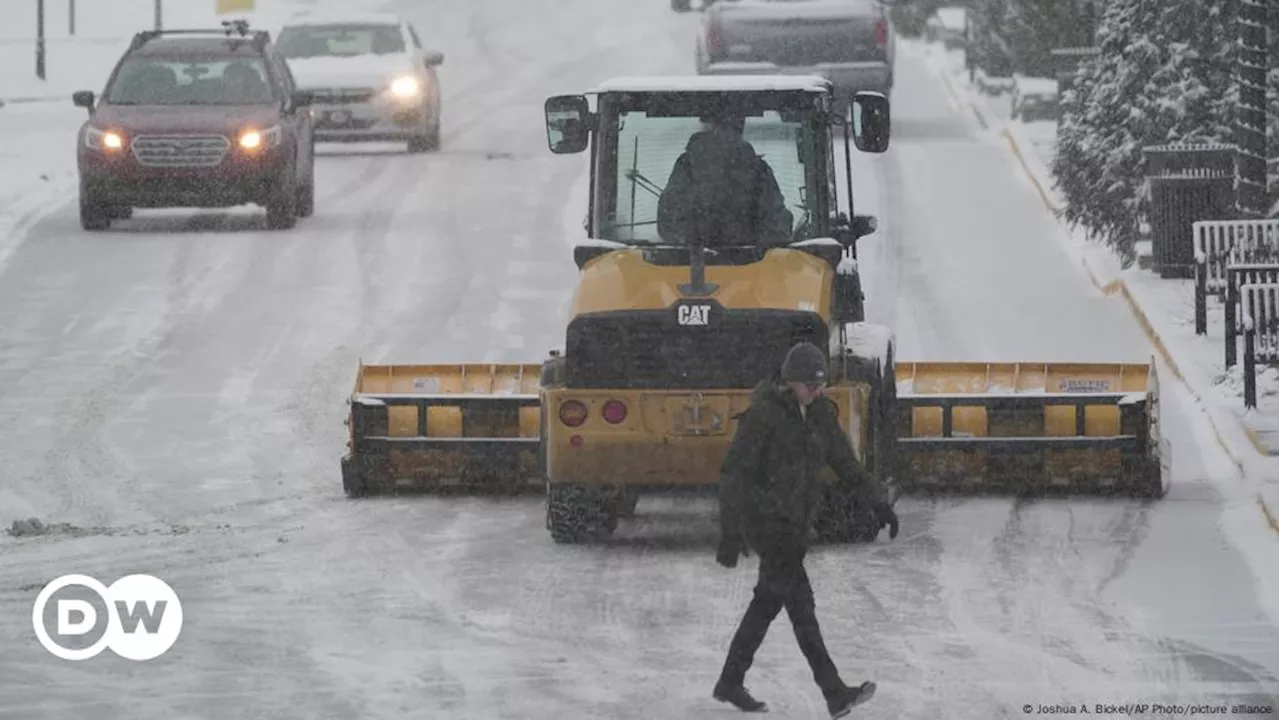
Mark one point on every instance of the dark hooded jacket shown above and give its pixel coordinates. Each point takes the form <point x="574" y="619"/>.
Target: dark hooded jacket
<point x="770" y="490"/>
<point x="722" y="191"/>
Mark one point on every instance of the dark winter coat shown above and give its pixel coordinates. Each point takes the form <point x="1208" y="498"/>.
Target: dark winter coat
<point x="770" y="491"/>
<point x="721" y="190"/>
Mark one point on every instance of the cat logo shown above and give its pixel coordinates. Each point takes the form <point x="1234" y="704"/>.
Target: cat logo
<point x="693" y="314"/>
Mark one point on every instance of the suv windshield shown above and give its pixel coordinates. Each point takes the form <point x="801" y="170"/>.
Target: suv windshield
<point x="649" y="141"/>
<point x="152" y="80"/>
<point x="305" y="41"/>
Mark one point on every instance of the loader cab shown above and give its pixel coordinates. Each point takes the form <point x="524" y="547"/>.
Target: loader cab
<point x="641" y="126"/>
<point x="761" y="276"/>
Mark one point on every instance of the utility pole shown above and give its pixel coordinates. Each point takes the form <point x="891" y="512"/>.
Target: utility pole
<point x="1251" y="112"/>
<point x="71" y="17"/>
<point x="40" y="39"/>
<point x="159" y="15"/>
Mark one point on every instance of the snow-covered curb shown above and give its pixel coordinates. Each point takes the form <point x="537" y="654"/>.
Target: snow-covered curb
<point x="1138" y="290"/>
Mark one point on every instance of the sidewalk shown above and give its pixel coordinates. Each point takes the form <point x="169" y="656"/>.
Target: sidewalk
<point x="1165" y="308"/>
<point x="82" y="61"/>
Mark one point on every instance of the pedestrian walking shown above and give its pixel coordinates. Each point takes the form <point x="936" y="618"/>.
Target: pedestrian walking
<point x="769" y="494"/>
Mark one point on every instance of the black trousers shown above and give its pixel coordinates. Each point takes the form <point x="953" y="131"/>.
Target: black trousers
<point x="783" y="583"/>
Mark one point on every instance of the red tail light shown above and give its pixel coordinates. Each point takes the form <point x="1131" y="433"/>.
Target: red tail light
<point x="614" y="412"/>
<point x="713" y="38"/>
<point x="882" y="32"/>
<point x="573" y="413"/>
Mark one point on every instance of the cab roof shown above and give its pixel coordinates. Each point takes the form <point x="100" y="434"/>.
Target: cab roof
<point x="216" y="43"/>
<point x="338" y="17"/>
<point x="716" y="83"/>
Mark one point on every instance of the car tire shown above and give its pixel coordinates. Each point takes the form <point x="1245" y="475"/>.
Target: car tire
<point x="94" y="215"/>
<point x="429" y="141"/>
<point x="306" y="205"/>
<point x="282" y="204"/>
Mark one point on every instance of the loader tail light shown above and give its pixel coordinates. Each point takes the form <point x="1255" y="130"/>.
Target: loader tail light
<point x="573" y="413"/>
<point x="882" y="32"/>
<point x="614" y="412"/>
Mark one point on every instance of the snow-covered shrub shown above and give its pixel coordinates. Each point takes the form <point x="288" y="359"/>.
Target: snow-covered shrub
<point x="1163" y="75"/>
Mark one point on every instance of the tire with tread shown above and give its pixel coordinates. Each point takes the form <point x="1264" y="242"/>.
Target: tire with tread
<point x="306" y="205"/>
<point x="844" y="517"/>
<point x="428" y="141"/>
<point x="576" y="514"/>
<point x="282" y="207"/>
<point x="93" y="214"/>
<point x="627" y="502"/>
<point x="353" y="481"/>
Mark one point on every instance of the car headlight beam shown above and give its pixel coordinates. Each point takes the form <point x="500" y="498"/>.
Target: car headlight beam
<point x="405" y="87"/>
<point x="105" y="140"/>
<point x="254" y="140"/>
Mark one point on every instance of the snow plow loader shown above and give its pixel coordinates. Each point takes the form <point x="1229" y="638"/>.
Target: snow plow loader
<point x="666" y="341"/>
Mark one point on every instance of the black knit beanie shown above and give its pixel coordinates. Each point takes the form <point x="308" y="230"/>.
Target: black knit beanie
<point x="805" y="363"/>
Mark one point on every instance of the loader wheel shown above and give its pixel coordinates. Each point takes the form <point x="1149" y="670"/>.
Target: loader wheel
<point x="884" y="403"/>
<point x="845" y="517"/>
<point x="576" y="514"/>
<point x="883" y="412"/>
<point x="1150" y="480"/>
<point x="627" y="502"/>
<point x="352" y="479"/>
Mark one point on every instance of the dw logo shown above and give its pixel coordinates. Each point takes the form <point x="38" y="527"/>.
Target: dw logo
<point x="139" y="617"/>
<point x="693" y="314"/>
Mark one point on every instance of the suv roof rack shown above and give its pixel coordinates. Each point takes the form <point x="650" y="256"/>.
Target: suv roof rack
<point x="259" y="38"/>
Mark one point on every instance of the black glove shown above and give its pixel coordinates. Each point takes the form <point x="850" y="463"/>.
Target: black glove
<point x="728" y="552"/>
<point x="886" y="516"/>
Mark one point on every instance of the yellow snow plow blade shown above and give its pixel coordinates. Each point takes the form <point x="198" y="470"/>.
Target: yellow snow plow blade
<point x="1029" y="426"/>
<point x="463" y="424"/>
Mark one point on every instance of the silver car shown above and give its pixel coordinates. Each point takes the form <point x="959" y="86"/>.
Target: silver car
<point x="371" y="78"/>
<point x="849" y="42"/>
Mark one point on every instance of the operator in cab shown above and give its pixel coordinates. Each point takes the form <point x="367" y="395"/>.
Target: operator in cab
<point x="723" y="193"/>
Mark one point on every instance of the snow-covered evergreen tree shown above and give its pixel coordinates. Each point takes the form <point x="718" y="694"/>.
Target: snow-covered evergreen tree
<point x="1034" y="28"/>
<point x="1273" y="89"/>
<point x="1163" y="75"/>
<point x="1273" y="147"/>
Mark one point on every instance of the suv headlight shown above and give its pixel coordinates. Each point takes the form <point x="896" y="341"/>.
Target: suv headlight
<point x="405" y="87"/>
<point x="255" y="140"/>
<point x="103" y="140"/>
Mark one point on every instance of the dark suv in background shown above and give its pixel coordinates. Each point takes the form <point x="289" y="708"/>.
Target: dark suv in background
<point x="197" y="118"/>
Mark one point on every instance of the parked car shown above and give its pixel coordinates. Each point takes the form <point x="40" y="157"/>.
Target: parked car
<point x="947" y="25"/>
<point x="1034" y="98"/>
<point x="849" y="42"/>
<point x="371" y="78"/>
<point x="193" y="118"/>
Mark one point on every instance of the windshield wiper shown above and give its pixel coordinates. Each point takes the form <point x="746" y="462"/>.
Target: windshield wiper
<point x="637" y="178"/>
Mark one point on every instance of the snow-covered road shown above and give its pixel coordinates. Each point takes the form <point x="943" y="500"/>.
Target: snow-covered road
<point x="174" y="390"/>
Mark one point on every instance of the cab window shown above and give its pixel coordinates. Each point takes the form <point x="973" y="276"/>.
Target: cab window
<point x="309" y="41"/>
<point x="649" y="146"/>
<point x="160" y="80"/>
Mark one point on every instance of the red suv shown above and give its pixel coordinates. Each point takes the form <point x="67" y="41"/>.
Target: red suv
<point x="197" y="118"/>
